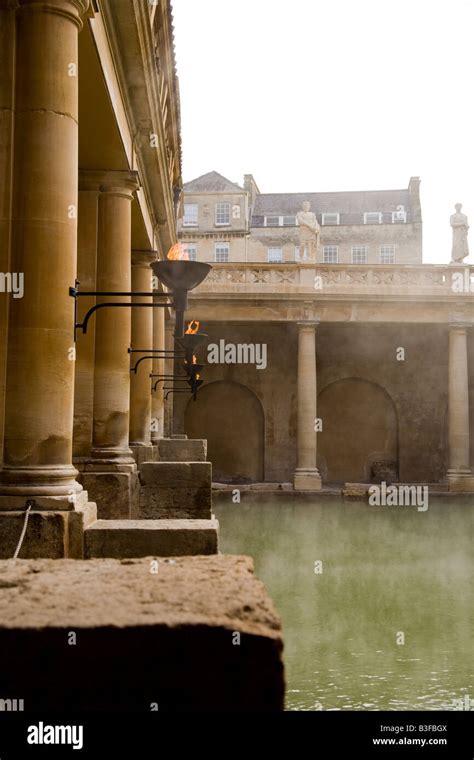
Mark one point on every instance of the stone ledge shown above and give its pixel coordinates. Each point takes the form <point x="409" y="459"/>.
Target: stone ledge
<point x="181" y="450"/>
<point x="142" y="538"/>
<point x="140" y="637"/>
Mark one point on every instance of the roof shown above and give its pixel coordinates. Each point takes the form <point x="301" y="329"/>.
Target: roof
<point x="212" y="182"/>
<point x="350" y="205"/>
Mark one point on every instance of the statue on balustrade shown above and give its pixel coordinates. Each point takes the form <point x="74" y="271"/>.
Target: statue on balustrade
<point x="309" y="233"/>
<point x="460" y="227"/>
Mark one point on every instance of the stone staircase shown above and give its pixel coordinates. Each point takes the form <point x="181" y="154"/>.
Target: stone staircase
<point x="120" y="539"/>
<point x="174" y="516"/>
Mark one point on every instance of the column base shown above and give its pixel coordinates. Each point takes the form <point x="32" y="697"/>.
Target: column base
<point x="307" y="480"/>
<point x="49" y="534"/>
<point x="113" y="486"/>
<point x="143" y="452"/>
<point x="460" y="479"/>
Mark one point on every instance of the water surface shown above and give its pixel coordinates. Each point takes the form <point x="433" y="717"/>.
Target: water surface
<point x="386" y="571"/>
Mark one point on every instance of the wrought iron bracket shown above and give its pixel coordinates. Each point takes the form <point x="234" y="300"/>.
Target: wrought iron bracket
<point x="75" y="293"/>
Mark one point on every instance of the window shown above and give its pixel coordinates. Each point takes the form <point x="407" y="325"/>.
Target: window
<point x="191" y="250"/>
<point x="373" y="217"/>
<point x="359" y="254"/>
<point x="399" y="216"/>
<point x="190" y="215"/>
<point x="272" y="221"/>
<point x="387" y="254"/>
<point x="280" y="221"/>
<point x="222" y="214"/>
<point x="275" y="255"/>
<point x="222" y="252"/>
<point x="330" y="254"/>
<point x="331" y="219"/>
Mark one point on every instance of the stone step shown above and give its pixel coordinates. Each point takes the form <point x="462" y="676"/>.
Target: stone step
<point x="120" y="539"/>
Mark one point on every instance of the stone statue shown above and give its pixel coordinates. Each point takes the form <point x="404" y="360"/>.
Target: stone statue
<point x="460" y="227"/>
<point x="309" y="233"/>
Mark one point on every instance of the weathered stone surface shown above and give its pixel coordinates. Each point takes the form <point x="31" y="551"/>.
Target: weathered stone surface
<point x="48" y="534"/>
<point x="141" y="538"/>
<point x="181" y="450"/>
<point x="143" y="453"/>
<point x="384" y="470"/>
<point x="356" y="490"/>
<point x="141" y="638"/>
<point x="175" y="490"/>
<point x="115" y="493"/>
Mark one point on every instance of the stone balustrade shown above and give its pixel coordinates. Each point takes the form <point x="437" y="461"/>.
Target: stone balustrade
<point x="424" y="279"/>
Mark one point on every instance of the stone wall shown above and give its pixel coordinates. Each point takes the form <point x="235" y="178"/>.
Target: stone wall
<point x="415" y="389"/>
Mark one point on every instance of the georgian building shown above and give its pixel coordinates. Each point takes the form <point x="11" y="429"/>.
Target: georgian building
<point x="368" y="372"/>
<point x="224" y="222"/>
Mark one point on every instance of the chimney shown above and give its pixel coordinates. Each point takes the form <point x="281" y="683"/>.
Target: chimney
<point x="414" y="191"/>
<point x="251" y="187"/>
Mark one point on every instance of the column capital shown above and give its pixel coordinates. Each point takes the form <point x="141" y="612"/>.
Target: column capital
<point x="73" y="10"/>
<point x="143" y="258"/>
<point x="308" y="325"/>
<point x="459" y="327"/>
<point x="122" y="183"/>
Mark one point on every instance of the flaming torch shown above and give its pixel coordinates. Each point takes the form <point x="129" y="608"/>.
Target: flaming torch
<point x="180" y="275"/>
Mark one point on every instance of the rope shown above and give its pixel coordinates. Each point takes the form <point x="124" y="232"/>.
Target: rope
<point x="23" y="532"/>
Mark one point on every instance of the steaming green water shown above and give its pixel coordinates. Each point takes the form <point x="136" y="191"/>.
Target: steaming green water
<point x="385" y="570"/>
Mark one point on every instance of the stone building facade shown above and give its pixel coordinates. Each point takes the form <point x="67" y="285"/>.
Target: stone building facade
<point x="225" y="222"/>
<point x="368" y="371"/>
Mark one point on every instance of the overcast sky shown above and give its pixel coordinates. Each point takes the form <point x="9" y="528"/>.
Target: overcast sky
<point x="320" y="95"/>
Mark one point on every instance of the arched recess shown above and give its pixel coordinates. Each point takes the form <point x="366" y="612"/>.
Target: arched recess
<point x="360" y="431"/>
<point x="231" y="417"/>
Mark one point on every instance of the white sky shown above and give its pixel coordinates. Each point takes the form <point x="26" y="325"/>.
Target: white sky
<point x="320" y="95"/>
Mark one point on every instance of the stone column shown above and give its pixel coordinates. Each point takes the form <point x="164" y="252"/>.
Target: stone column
<point x="7" y="94"/>
<point x="40" y="362"/>
<point x="459" y="473"/>
<point x="157" y="398"/>
<point x="142" y="337"/>
<point x="111" y="475"/>
<point x="169" y="370"/>
<point x="40" y="373"/>
<point x="85" y="345"/>
<point x="307" y="477"/>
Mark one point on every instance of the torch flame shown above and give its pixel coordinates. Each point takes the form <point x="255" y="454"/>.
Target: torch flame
<point x="195" y="360"/>
<point x="177" y="253"/>
<point x="193" y="328"/>
<point x="198" y="377"/>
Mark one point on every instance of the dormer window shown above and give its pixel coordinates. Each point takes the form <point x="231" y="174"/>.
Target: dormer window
<point x="331" y="219"/>
<point x="272" y="221"/>
<point x="280" y="221"/>
<point x="373" y="217"/>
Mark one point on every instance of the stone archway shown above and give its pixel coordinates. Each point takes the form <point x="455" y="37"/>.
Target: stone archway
<point x="231" y="418"/>
<point x="360" y="427"/>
